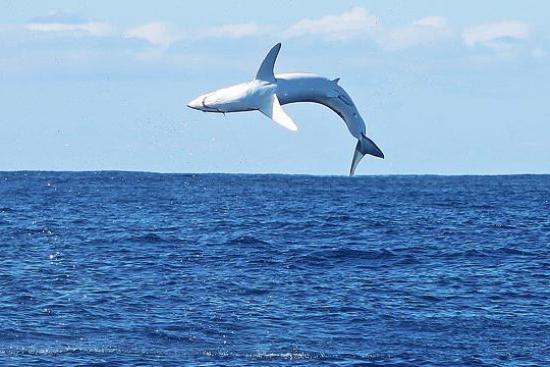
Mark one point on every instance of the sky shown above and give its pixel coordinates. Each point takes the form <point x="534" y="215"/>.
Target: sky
<point x="445" y="87"/>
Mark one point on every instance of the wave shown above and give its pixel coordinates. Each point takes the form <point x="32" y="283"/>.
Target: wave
<point x="295" y="355"/>
<point x="514" y="251"/>
<point x="147" y="238"/>
<point x="214" y="354"/>
<point x="247" y="241"/>
<point x="339" y="255"/>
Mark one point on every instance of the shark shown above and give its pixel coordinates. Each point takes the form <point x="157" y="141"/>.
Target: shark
<point x="268" y="91"/>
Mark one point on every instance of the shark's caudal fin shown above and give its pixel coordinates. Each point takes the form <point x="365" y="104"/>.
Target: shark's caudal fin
<point x="272" y="109"/>
<point x="265" y="72"/>
<point x="364" y="146"/>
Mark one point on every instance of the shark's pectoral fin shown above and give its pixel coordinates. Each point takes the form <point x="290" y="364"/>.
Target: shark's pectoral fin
<point x="272" y="109"/>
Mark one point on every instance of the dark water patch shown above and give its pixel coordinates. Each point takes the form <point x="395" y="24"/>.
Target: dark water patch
<point x="502" y="226"/>
<point x="514" y="252"/>
<point x="147" y="238"/>
<point x="339" y="219"/>
<point x="247" y="241"/>
<point x="343" y="255"/>
<point x="464" y="254"/>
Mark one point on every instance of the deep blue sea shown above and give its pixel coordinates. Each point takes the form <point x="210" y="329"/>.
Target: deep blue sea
<point x="138" y="269"/>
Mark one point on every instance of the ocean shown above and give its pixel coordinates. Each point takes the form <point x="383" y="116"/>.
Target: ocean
<point x="138" y="269"/>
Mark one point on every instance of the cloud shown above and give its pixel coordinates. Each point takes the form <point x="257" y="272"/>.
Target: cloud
<point x="94" y="28"/>
<point x="431" y="21"/>
<point x="67" y="22"/>
<point x="156" y="33"/>
<point x="496" y="35"/>
<point x="60" y="17"/>
<point x="65" y="35"/>
<point x="423" y="31"/>
<point x="165" y="34"/>
<point x="357" y="22"/>
<point x="334" y="27"/>
<point x="232" y="31"/>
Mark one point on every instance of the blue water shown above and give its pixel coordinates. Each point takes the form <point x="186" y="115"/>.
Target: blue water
<point x="119" y="269"/>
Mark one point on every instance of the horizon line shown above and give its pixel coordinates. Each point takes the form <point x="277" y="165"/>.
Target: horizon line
<point x="271" y="173"/>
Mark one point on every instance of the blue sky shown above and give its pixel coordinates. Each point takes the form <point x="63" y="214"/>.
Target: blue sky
<point x="445" y="87"/>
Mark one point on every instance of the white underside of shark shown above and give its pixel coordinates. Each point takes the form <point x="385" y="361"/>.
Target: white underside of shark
<point x="267" y="92"/>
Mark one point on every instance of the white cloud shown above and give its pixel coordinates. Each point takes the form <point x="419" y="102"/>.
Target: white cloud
<point x="358" y="22"/>
<point x="495" y="35"/>
<point x="352" y="24"/>
<point x="156" y="33"/>
<point x="432" y="21"/>
<point x="423" y="31"/>
<point x="232" y="31"/>
<point x="93" y="28"/>
<point x="67" y="22"/>
<point x="335" y="27"/>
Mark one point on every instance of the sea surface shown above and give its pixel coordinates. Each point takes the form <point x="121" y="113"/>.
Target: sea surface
<point x="139" y="269"/>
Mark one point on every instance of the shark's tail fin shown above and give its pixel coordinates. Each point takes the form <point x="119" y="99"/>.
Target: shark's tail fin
<point x="364" y="146"/>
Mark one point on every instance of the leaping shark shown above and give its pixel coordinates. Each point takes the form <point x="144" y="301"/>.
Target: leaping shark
<point x="268" y="91"/>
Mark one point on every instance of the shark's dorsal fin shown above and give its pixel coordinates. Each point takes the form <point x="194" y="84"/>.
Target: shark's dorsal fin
<point x="265" y="72"/>
<point x="272" y="109"/>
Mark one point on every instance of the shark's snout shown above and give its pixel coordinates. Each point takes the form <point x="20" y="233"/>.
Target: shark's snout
<point x="196" y="103"/>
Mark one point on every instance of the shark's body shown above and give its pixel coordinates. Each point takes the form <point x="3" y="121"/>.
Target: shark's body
<point x="267" y="92"/>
